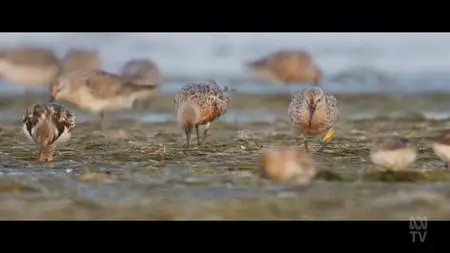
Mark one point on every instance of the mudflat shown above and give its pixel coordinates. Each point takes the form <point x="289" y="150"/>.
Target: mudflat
<point x="137" y="169"/>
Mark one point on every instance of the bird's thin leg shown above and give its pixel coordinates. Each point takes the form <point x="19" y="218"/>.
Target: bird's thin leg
<point x="198" y="135"/>
<point x="205" y="133"/>
<point x="50" y="152"/>
<point x="41" y="156"/>
<point x="188" y="132"/>
<point x="326" y="139"/>
<point x="447" y="165"/>
<point x="146" y="104"/>
<point x="102" y="120"/>
<point x="28" y="95"/>
<point x="305" y="143"/>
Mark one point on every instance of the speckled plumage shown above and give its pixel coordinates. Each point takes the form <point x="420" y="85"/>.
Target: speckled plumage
<point x="47" y="125"/>
<point x="313" y="111"/>
<point x="212" y="101"/>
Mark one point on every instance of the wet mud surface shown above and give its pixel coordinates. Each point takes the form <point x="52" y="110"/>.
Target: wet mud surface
<point x="137" y="169"/>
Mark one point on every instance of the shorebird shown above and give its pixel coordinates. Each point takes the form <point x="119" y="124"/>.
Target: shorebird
<point x="286" y="67"/>
<point x="28" y="66"/>
<point x="143" y="72"/>
<point x="48" y="125"/>
<point x="97" y="91"/>
<point x="313" y="111"/>
<point x="206" y="99"/>
<point x="80" y="59"/>
<point x="288" y="164"/>
<point x="441" y="146"/>
<point x="393" y="153"/>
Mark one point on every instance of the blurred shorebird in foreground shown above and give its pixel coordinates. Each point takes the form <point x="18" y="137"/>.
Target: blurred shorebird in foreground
<point x="313" y="111"/>
<point x="29" y="66"/>
<point x="97" y="91"/>
<point x="48" y="125"/>
<point x="288" y="164"/>
<point x="287" y="67"/>
<point x="393" y="153"/>
<point x="200" y="104"/>
<point x="441" y="146"/>
<point x="78" y="59"/>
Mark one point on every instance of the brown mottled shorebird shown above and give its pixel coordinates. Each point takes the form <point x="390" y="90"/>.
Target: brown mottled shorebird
<point x="48" y="125"/>
<point x="143" y="72"/>
<point x="441" y="146"/>
<point x="29" y="66"/>
<point x="287" y="67"/>
<point x="393" y="153"/>
<point x="81" y="59"/>
<point x="288" y="164"/>
<point x="209" y="99"/>
<point x="97" y="91"/>
<point x="313" y="112"/>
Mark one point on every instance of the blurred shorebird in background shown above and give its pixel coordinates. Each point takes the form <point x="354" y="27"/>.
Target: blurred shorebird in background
<point x="97" y="91"/>
<point x="313" y="111"/>
<point x="48" y="125"/>
<point x="287" y="67"/>
<point x="29" y="66"/>
<point x="80" y="59"/>
<point x="393" y="153"/>
<point x="142" y="72"/>
<point x="34" y="67"/>
<point x="200" y="104"/>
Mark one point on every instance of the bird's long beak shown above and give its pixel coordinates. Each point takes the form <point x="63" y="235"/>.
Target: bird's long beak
<point x="312" y="110"/>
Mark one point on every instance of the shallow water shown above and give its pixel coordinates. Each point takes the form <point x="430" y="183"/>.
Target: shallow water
<point x="247" y="108"/>
<point x="402" y="62"/>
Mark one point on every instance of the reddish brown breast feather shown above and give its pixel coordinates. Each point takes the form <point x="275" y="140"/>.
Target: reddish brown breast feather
<point x="209" y="114"/>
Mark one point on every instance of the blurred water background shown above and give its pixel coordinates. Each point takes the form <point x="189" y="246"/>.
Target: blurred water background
<point x="403" y="64"/>
<point x="417" y="62"/>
